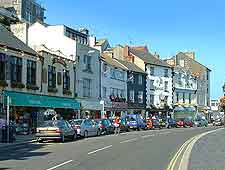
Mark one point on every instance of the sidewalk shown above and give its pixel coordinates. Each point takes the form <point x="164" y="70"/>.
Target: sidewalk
<point x="20" y="139"/>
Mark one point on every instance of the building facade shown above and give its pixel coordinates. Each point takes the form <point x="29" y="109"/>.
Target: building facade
<point x="113" y="87"/>
<point x="28" y="11"/>
<point x="184" y="87"/>
<point x="202" y="74"/>
<point x="29" y="80"/>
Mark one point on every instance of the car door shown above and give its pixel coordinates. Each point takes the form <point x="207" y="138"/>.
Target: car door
<point x="70" y="129"/>
<point x="94" y="128"/>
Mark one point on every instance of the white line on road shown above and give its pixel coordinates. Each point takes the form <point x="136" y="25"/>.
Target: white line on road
<point x="146" y="136"/>
<point x="57" y="166"/>
<point x="129" y="140"/>
<point x="99" y="149"/>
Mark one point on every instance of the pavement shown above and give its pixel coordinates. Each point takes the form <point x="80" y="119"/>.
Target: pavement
<point x="209" y="152"/>
<point x="150" y="150"/>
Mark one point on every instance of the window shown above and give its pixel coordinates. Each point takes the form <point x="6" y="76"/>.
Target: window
<point x="177" y="94"/>
<point x="51" y="77"/>
<point x="140" y="79"/>
<point x="140" y="97"/>
<point x="31" y="72"/>
<point x="166" y="73"/>
<point x="16" y="69"/>
<point x="183" y="97"/>
<point x="182" y="63"/>
<point x="152" y="85"/>
<point x="131" y="96"/>
<point x="152" y="99"/>
<point x="87" y="63"/>
<point x="152" y="71"/>
<point x="104" y="68"/>
<point x="104" y="92"/>
<point x="189" y="97"/>
<point x="3" y="61"/>
<point x="131" y="78"/>
<point x="66" y="80"/>
<point x="86" y="88"/>
<point x="166" y="86"/>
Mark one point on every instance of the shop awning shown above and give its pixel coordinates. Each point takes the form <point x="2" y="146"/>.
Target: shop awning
<point x="32" y="100"/>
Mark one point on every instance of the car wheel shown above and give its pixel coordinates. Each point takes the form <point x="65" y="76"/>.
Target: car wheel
<point x="98" y="132"/>
<point x="74" y="137"/>
<point x="62" y="138"/>
<point x="85" y="134"/>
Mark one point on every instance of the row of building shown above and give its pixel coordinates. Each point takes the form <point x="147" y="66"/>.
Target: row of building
<point x="54" y="68"/>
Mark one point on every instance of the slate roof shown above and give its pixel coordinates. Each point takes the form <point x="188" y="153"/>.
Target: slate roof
<point x="149" y="58"/>
<point x="114" y="62"/>
<point x="132" y="66"/>
<point x="9" y="40"/>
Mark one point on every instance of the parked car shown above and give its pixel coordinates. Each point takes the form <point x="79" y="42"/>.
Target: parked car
<point x="201" y="122"/>
<point x="180" y="123"/>
<point x="105" y="126"/>
<point x="85" y="127"/>
<point x="218" y="122"/>
<point x="135" y="122"/>
<point x="171" y="123"/>
<point x="149" y="123"/>
<point x="57" y="129"/>
<point x="156" y="123"/>
<point x="188" y="122"/>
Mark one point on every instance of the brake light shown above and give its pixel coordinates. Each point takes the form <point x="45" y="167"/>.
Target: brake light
<point x="102" y="126"/>
<point x="58" y="131"/>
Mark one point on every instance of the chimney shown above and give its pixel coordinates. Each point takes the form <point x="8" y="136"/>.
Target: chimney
<point x="92" y="41"/>
<point x="126" y="51"/>
<point x="190" y="55"/>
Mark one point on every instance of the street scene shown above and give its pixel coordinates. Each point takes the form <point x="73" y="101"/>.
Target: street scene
<point x="96" y="86"/>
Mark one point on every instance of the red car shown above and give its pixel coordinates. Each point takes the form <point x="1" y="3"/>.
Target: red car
<point x="188" y="122"/>
<point x="180" y="123"/>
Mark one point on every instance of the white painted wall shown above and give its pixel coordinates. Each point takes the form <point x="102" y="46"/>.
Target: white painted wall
<point x="108" y="82"/>
<point x="159" y="86"/>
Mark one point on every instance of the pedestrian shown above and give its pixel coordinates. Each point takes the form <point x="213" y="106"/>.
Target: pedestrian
<point x="117" y="125"/>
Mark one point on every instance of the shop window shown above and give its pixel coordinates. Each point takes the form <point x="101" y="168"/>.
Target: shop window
<point x="66" y="80"/>
<point x="31" y="72"/>
<point x="16" y="69"/>
<point x="51" y="76"/>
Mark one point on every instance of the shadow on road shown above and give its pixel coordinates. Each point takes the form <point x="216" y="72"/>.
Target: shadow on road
<point x="21" y="152"/>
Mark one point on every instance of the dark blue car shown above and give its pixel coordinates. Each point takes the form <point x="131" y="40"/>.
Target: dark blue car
<point x="134" y="121"/>
<point x="171" y="123"/>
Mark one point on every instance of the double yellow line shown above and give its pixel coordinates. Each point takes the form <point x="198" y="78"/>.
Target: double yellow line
<point x="173" y="162"/>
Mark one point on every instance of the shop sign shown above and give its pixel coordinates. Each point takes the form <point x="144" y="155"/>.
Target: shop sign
<point x="119" y="105"/>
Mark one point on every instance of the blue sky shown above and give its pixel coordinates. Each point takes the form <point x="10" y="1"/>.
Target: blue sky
<point x="165" y="26"/>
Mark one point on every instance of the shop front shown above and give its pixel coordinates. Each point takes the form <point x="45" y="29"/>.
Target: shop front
<point x="90" y="109"/>
<point x="114" y="109"/>
<point x="27" y="110"/>
<point x="136" y="108"/>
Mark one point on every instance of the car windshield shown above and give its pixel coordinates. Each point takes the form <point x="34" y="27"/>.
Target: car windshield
<point x="77" y="122"/>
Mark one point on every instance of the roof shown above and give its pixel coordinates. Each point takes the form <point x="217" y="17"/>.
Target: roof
<point x="132" y="66"/>
<point x="9" y="40"/>
<point x="100" y="42"/>
<point x="114" y="62"/>
<point x="8" y="14"/>
<point x="149" y="58"/>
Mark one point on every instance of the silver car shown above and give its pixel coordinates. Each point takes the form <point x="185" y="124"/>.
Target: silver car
<point x="85" y="127"/>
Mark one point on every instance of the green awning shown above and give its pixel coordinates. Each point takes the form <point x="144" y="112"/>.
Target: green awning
<point x="32" y="100"/>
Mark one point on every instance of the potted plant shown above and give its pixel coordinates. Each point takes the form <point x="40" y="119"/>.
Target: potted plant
<point x="3" y="83"/>
<point x="19" y="85"/>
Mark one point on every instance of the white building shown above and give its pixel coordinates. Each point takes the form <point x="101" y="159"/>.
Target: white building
<point x="73" y="45"/>
<point x="114" y="86"/>
<point x="159" y="80"/>
<point x="185" y="87"/>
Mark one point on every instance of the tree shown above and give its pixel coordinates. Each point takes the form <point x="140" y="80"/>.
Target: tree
<point x="222" y="103"/>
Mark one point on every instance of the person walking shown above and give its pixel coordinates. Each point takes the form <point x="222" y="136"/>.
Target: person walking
<point x="117" y="125"/>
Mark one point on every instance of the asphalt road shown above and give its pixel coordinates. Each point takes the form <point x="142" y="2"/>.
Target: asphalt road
<point x="150" y="150"/>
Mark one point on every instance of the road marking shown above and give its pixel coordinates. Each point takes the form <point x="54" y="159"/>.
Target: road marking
<point x="129" y="140"/>
<point x="146" y="136"/>
<point x="99" y="149"/>
<point x="163" y="133"/>
<point x="57" y="166"/>
<point x="187" y="153"/>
